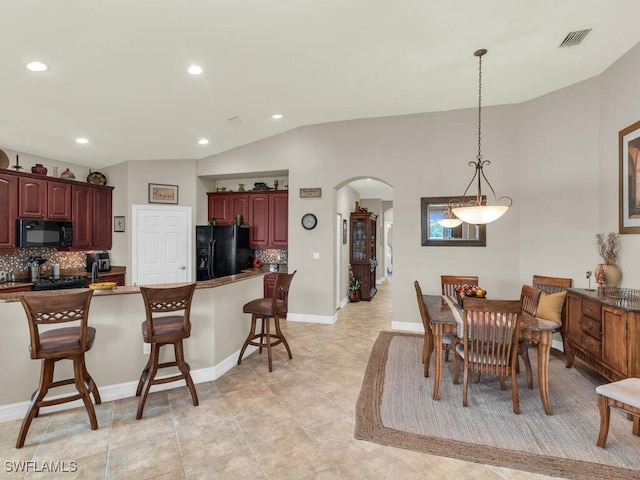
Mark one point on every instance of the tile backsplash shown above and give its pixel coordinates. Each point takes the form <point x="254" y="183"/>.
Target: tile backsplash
<point x="17" y="262"/>
<point x="272" y="256"/>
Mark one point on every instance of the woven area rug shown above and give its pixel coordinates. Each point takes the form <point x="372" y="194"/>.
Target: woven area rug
<point x="395" y="408"/>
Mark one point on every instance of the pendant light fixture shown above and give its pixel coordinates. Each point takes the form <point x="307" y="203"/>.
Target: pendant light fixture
<point x="478" y="211"/>
<point x="449" y="220"/>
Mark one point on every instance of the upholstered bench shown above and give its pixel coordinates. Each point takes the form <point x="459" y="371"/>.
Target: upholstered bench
<point x="625" y="395"/>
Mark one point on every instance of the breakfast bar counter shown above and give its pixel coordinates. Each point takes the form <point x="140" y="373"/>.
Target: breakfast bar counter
<point x="116" y="360"/>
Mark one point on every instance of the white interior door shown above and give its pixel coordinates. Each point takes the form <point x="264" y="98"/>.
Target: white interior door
<point x="162" y="241"/>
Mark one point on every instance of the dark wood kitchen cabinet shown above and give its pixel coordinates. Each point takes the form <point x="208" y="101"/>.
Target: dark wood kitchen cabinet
<point x="91" y="216"/>
<point x="118" y="278"/>
<point x="363" y="252"/>
<point x="8" y="212"/>
<point x="604" y="333"/>
<point x="265" y="211"/>
<point x="44" y="199"/>
<point x="269" y="219"/>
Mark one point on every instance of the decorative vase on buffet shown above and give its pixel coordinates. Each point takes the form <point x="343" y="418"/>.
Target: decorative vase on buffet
<point x="609" y="250"/>
<point x="39" y="169"/>
<point x="612" y="275"/>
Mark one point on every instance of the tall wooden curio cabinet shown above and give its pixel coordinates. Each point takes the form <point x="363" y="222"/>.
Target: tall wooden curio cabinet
<point x="363" y="252"/>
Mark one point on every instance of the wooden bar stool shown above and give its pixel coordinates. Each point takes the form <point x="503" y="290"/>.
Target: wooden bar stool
<point x="265" y="309"/>
<point x="625" y="395"/>
<point x="160" y="330"/>
<point x="50" y="346"/>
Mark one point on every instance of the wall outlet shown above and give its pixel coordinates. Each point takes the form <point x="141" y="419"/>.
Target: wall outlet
<point x="146" y="348"/>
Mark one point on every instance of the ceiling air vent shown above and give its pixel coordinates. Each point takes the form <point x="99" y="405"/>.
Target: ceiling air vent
<point x="574" y="38"/>
<point x="237" y="120"/>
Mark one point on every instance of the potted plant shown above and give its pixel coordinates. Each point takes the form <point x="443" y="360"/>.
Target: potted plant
<point x="354" y="289"/>
<point x="609" y="249"/>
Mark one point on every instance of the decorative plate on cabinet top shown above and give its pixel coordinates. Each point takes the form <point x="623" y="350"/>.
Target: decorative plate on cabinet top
<point x="96" y="178"/>
<point x="4" y="160"/>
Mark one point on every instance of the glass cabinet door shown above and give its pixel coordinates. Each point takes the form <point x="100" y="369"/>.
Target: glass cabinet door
<point x="359" y="239"/>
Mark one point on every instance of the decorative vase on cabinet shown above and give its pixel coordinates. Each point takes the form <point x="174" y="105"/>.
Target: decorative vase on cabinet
<point x="39" y="169"/>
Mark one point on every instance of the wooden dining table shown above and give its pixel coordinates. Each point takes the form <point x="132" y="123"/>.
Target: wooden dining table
<point x="443" y="320"/>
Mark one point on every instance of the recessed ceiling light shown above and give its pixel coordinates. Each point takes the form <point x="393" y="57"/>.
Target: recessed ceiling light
<point x="195" y="70"/>
<point x="277" y="116"/>
<point x="37" y="66"/>
<point x="203" y="141"/>
<point x="82" y="140"/>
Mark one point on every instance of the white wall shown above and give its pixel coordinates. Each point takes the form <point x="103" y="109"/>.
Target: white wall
<point x="556" y="156"/>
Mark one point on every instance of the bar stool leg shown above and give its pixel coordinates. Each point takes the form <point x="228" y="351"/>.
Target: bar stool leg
<point x="276" y="320"/>
<point x="90" y="383"/>
<point x="252" y="334"/>
<point x="268" y="339"/>
<point x="143" y="377"/>
<point x="46" y="377"/>
<point x="78" y="375"/>
<point x="184" y="369"/>
<point x="150" y="375"/>
<point x="605" y="413"/>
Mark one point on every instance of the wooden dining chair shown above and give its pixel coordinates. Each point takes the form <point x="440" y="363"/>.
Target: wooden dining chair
<point x="550" y="286"/>
<point x="451" y="282"/>
<point x="427" y="346"/>
<point x="491" y="329"/>
<point x="529" y="296"/>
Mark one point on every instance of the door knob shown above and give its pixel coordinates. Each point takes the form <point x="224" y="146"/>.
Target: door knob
<point x="183" y="267"/>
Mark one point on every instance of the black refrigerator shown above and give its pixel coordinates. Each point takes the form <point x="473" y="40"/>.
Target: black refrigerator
<point x="221" y="250"/>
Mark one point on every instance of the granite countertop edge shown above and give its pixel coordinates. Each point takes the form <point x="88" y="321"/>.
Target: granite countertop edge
<point x="131" y="289"/>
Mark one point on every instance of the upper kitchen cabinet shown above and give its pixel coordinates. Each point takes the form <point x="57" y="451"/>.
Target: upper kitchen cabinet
<point x="44" y="199"/>
<point x="266" y="212"/>
<point x="8" y="212"/>
<point x="224" y="207"/>
<point x="91" y="217"/>
<point x="269" y="219"/>
<point x="218" y="208"/>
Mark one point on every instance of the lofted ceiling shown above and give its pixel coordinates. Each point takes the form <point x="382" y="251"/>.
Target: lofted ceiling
<point x="118" y="69"/>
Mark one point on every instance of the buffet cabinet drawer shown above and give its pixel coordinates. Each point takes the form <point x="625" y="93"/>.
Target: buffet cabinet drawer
<point x="592" y="309"/>
<point x="592" y="345"/>
<point x="591" y="327"/>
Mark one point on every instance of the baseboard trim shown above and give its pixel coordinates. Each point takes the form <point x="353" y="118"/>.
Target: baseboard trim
<point x="109" y="393"/>
<point x="324" y="319"/>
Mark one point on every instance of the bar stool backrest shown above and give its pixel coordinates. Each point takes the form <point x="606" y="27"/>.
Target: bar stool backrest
<point x="47" y="310"/>
<point x="281" y="288"/>
<point x="166" y="300"/>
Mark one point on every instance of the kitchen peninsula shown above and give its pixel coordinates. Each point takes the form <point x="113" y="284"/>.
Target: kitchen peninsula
<point x="219" y="329"/>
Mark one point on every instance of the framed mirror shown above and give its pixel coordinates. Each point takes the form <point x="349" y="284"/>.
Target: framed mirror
<point x="433" y="209"/>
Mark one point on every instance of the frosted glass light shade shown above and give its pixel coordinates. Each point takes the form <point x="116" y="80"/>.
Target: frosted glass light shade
<point x="449" y="222"/>
<point x="479" y="214"/>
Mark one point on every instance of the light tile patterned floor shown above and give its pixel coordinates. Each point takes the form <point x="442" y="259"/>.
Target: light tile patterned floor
<point x="294" y="423"/>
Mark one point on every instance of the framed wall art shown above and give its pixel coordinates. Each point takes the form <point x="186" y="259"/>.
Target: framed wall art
<point x="629" y="180"/>
<point x="163" y="193"/>
<point x="118" y="224"/>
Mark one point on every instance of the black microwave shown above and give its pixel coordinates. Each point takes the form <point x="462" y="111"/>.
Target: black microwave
<point x="44" y="233"/>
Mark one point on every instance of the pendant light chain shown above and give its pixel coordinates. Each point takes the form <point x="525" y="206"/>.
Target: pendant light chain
<point x="479" y="108"/>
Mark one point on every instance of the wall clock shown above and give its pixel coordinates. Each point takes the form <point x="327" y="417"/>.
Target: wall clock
<point x="309" y="221"/>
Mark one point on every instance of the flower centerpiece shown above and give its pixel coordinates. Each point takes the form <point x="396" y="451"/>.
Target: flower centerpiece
<point x="354" y="288"/>
<point x="467" y="290"/>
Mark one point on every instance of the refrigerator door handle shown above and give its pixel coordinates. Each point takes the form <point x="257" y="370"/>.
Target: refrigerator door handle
<point x="212" y="249"/>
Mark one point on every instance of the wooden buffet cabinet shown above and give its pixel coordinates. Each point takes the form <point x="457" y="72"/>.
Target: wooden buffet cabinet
<point x="363" y="252"/>
<point x="266" y="212"/>
<point x="604" y="333"/>
<point x="26" y="195"/>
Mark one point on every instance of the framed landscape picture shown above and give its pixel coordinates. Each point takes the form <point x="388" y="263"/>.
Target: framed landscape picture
<point x="629" y="180"/>
<point x="163" y="193"/>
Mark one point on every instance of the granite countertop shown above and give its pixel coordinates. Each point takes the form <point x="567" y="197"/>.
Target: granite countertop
<point x="129" y="289"/>
<point x="80" y="272"/>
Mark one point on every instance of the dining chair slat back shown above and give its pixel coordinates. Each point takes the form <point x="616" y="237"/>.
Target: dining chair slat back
<point x="428" y="344"/>
<point x="451" y="282"/>
<point x="490" y="343"/>
<point x="529" y="296"/>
